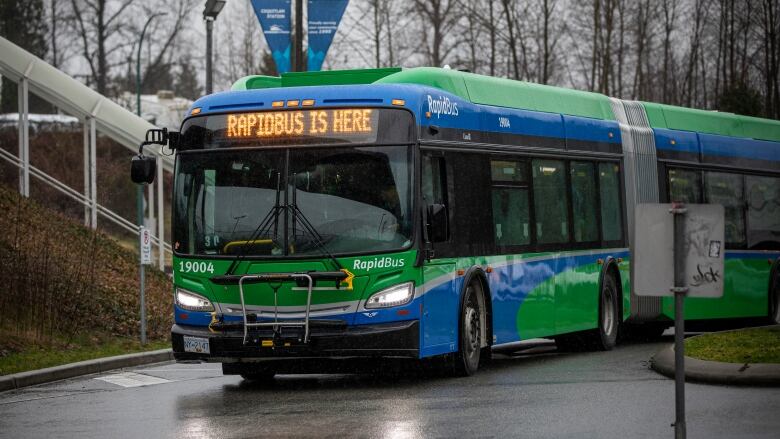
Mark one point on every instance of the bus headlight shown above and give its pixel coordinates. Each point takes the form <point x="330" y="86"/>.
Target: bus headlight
<point x="191" y="301"/>
<point x="394" y="296"/>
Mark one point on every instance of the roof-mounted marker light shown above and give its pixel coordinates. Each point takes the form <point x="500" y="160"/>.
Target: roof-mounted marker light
<point x="308" y="102"/>
<point x="400" y="102"/>
<point x="277" y="104"/>
<point x="195" y="111"/>
<point x="293" y="103"/>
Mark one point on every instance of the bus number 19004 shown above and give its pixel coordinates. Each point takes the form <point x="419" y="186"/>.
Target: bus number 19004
<point x="196" y="267"/>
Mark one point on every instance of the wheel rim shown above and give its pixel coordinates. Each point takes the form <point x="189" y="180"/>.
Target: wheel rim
<point x="608" y="311"/>
<point x="471" y="329"/>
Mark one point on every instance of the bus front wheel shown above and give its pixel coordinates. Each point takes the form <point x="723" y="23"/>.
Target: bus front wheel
<point x="249" y="371"/>
<point x="465" y="361"/>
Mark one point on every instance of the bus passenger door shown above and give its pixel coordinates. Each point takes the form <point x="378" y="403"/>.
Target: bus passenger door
<point x="440" y="286"/>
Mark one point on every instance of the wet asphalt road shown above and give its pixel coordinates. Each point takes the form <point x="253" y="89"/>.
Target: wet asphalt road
<point x="535" y="394"/>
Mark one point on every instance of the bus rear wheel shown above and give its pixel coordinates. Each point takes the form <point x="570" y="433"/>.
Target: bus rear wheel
<point x="465" y="362"/>
<point x="604" y="337"/>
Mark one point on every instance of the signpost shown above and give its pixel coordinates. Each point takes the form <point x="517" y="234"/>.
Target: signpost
<point x="146" y="259"/>
<point x="678" y="251"/>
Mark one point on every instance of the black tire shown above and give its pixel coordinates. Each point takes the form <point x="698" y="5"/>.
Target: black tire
<point x="774" y="297"/>
<point x="465" y="362"/>
<point x="249" y="371"/>
<point x="259" y="375"/>
<point x="604" y="338"/>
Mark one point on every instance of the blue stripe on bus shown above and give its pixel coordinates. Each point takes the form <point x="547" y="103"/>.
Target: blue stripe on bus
<point x="712" y="144"/>
<point x="715" y="145"/>
<point x="673" y="140"/>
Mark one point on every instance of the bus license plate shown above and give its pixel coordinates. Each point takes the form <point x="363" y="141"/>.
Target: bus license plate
<point x="196" y="344"/>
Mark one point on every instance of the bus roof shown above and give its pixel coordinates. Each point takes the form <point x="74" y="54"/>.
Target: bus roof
<point x="501" y="92"/>
<point x="477" y="89"/>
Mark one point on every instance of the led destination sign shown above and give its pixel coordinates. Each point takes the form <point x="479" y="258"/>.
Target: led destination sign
<point x="347" y="123"/>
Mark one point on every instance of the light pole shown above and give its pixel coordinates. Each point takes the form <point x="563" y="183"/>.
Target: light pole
<point x="298" y="46"/>
<point x="139" y="202"/>
<point x="210" y="12"/>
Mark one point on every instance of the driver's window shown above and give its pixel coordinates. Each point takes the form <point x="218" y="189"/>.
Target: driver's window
<point x="433" y="180"/>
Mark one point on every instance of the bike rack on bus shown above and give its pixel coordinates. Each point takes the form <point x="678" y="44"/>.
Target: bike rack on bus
<point x="309" y="279"/>
<point x="276" y="324"/>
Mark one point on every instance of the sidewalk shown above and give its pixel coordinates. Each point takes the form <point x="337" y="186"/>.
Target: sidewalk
<point x="40" y="376"/>
<point x="715" y="372"/>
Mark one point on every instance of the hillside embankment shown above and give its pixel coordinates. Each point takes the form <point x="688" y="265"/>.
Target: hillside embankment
<point x="67" y="288"/>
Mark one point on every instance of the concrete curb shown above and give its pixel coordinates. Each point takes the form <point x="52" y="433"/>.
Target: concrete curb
<point x="30" y="378"/>
<point x="715" y="372"/>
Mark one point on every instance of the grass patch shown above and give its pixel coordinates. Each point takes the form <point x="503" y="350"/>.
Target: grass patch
<point x="758" y="345"/>
<point x="57" y="353"/>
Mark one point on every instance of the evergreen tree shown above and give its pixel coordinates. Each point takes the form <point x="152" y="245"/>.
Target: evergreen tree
<point x="22" y="22"/>
<point x="186" y="84"/>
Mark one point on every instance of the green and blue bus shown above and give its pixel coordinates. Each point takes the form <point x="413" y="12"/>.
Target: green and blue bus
<point x="429" y="212"/>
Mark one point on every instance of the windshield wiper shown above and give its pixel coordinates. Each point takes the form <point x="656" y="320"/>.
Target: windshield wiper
<point x="272" y="215"/>
<point x="307" y="225"/>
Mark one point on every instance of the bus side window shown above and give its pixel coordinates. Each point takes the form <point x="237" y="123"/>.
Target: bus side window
<point x="509" y="196"/>
<point x="550" y="201"/>
<point x="763" y="218"/>
<point x="433" y="182"/>
<point x="583" y="199"/>
<point x="726" y="190"/>
<point x="684" y="186"/>
<point x="611" y="208"/>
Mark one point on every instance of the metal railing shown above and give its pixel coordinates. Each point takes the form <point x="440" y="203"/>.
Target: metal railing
<point x="79" y="197"/>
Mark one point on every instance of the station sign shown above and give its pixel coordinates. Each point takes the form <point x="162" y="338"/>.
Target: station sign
<point x="703" y="244"/>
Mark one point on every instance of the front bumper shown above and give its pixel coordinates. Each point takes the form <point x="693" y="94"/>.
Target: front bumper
<point x="395" y="339"/>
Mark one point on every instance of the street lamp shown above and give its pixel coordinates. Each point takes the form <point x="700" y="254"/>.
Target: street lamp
<point x="138" y="62"/>
<point x="210" y="12"/>
<point x="140" y="190"/>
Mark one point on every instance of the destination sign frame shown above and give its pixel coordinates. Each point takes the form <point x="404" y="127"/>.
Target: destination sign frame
<point x="385" y="126"/>
<point x="316" y="122"/>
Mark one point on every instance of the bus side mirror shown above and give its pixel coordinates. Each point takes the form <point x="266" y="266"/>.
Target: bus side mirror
<point x="437" y="222"/>
<point x="143" y="169"/>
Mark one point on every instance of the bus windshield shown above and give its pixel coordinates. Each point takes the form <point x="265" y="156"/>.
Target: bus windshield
<point x="293" y="202"/>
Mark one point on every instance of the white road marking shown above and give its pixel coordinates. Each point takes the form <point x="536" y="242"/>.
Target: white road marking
<point x="131" y="379"/>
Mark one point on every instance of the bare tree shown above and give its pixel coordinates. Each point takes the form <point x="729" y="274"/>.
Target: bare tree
<point x="769" y="28"/>
<point x="438" y="19"/>
<point x="101" y="25"/>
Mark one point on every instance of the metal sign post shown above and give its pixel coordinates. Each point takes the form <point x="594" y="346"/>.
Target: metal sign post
<point x="145" y="247"/>
<point x="682" y="255"/>
<point x="679" y="291"/>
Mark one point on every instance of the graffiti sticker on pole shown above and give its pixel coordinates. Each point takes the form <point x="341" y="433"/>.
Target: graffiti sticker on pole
<point x="146" y="246"/>
<point x="703" y="244"/>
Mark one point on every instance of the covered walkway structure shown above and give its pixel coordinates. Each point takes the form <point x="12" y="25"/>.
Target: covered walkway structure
<point x="98" y="114"/>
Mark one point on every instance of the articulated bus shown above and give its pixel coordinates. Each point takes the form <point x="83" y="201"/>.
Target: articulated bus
<point x="429" y="212"/>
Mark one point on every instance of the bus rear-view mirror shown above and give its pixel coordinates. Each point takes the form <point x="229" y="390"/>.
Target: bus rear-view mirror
<point x="143" y="169"/>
